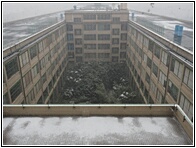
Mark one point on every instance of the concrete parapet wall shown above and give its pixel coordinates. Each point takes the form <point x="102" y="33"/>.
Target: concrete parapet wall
<point x="87" y="110"/>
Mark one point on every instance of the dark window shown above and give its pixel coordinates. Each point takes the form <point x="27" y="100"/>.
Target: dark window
<point x="147" y="78"/>
<point x="123" y="26"/>
<point x="103" y="26"/>
<point x="115" y="41"/>
<point x="157" y="51"/>
<point x="123" y="46"/>
<point x="78" y="50"/>
<point x="89" y="16"/>
<point x="123" y="55"/>
<point x="90" y="37"/>
<point x="6" y="99"/>
<point x="70" y="46"/>
<point x="69" y="28"/>
<point x="77" y="20"/>
<point x="150" y="45"/>
<point x="103" y="37"/>
<point x="123" y="36"/>
<point x="116" y="19"/>
<point x="114" y="59"/>
<point x="115" y="50"/>
<point x="33" y="51"/>
<point x="89" y="26"/>
<point x="11" y="67"/>
<point x="78" y="31"/>
<point x="103" y="46"/>
<point x="155" y="69"/>
<point x="115" y="31"/>
<point x="90" y="46"/>
<point x="173" y="90"/>
<point x="78" y="59"/>
<point x="103" y="16"/>
<point x="69" y="37"/>
<point x="149" y="62"/>
<point x="15" y="90"/>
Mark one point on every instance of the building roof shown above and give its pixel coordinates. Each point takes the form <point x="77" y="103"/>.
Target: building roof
<point x="93" y="130"/>
<point x="168" y="26"/>
<point x="14" y="32"/>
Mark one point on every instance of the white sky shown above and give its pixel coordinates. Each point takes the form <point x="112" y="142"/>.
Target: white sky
<point x="19" y="10"/>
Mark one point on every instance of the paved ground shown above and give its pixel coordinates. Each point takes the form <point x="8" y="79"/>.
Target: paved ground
<point x="93" y="131"/>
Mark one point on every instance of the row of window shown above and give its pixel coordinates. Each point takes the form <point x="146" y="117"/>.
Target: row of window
<point x="100" y="26"/>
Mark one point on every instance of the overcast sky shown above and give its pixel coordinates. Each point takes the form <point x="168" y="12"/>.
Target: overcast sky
<point x="15" y="11"/>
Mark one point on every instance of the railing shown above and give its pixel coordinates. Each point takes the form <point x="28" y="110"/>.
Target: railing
<point x="102" y="110"/>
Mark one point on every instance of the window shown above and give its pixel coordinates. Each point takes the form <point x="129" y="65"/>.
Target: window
<point x="27" y="78"/>
<point x="115" y="31"/>
<point x="35" y="70"/>
<point x="177" y="68"/>
<point x="70" y="46"/>
<point x="123" y="46"/>
<point x="159" y="97"/>
<point x="103" y="37"/>
<point x="42" y="63"/>
<point x="103" y="55"/>
<point x="149" y="62"/>
<point x="89" y="26"/>
<point x="11" y="67"/>
<point x="90" y="37"/>
<point x="71" y="54"/>
<point x="115" y="50"/>
<point x="15" y="90"/>
<point x="78" y="41"/>
<point x="79" y="59"/>
<point x="90" y="46"/>
<point x="77" y="20"/>
<point x="78" y="50"/>
<point x="186" y="106"/>
<point x="155" y="69"/>
<point x="188" y="78"/>
<point x="104" y="46"/>
<point x="78" y="32"/>
<point x="162" y="78"/>
<point x="70" y="37"/>
<point x="124" y="27"/>
<point x="150" y="45"/>
<point x="6" y="99"/>
<point x="173" y="90"/>
<point x="33" y="51"/>
<point x="164" y="58"/>
<point x="38" y="86"/>
<point x="115" y="41"/>
<point x="147" y="78"/>
<point x="103" y="16"/>
<point x="123" y="36"/>
<point x="116" y="19"/>
<point x="40" y="46"/>
<point x="69" y="27"/>
<point x="24" y="59"/>
<point x="157" y="51"/>
<point x="145" y="58"/>
<point x="89" y="16"/>
<point x="153" y="87"/>
<point x="146" y="41"/>
<point x="30" y="97"/>
<point x="123" y="55"/>
<point x="90" y="55"/>
<point x="44" y="78"/>
<point x="103" y="26"/>
<point x="114" y="59"/>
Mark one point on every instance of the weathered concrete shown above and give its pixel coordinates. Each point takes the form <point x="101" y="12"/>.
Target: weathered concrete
<point x="93" y="131"/>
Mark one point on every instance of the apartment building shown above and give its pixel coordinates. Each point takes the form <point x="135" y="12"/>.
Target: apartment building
<point x="33" y="68"/>
<point x="97" y="35"/>
<point x="162" y="73"/>
<point x="161" y="70"/>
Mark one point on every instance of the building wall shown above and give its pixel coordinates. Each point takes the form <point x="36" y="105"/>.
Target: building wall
<point x="97" y="35"/>
<point x="162" y="75"/>
<point x="32" y="72"/>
